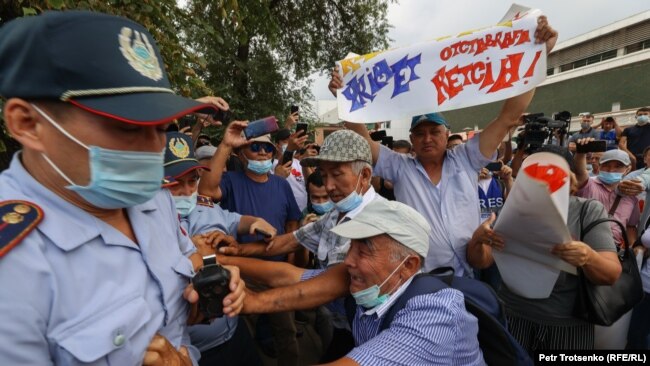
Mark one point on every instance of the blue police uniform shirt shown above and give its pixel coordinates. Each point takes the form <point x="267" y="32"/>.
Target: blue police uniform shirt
<point x="77" y="291"/>
<point x="272" y="200"/>
<point x="204" y="219"/>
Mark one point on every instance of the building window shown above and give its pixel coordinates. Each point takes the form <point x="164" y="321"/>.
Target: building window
<point x="550" y="71"/>
<point x="643" y="45"/>
<point x="589" y="60"/>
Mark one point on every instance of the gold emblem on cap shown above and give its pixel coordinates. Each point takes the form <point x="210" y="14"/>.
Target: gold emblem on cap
<point x="137" y="49"/>
<point x="179" y="147"/>
<point x="22" y="209"/>
<point x="12" y="218"/>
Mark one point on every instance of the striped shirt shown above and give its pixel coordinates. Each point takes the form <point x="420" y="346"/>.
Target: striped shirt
<point x="432" y="329"/>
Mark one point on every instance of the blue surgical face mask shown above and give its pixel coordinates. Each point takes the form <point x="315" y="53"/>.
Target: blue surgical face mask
<point x="643" y="120"/>
<point x="590" y="168"/>
<point x="185" y="204"/>
<point x="322" y="208"/>
<point x="610" y="177"/>
<point x="260" y="167"/>
<point x="352" y="201"/>
<point x="118" y="179"/>
<point x="370" y="298"/>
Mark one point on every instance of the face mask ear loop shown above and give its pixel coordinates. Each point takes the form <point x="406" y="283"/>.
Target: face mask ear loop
<point x="391" y="275"/>
<point x="58" y="170"/>
<point x="56" y="125"/>
<point x="64" y="132"/>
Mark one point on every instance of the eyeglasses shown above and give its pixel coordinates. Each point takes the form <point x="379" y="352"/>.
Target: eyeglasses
<point x="257" y="146"/>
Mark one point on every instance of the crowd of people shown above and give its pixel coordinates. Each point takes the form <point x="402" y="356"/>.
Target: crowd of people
<point x="110" y="210"/>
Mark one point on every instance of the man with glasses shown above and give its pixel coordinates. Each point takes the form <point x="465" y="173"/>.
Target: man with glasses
<point x="256" y="192"/>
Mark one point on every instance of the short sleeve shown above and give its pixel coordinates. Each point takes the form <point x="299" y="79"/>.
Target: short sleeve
<point x="626" y="132"/>
<point x="293" y="211"/>
<point x="586" y="190"/>
<point x="230" y="220"/>
<point x="600" y="237"/>
<point x="470" y="153"/>
<point x="635" y="216"/>
<point x="308" y="236"/>
<point x="389" y="163"/>
<point x="226" y="188"/>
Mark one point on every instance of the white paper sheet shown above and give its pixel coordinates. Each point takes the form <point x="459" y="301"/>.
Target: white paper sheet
<point x="532" y="221"/>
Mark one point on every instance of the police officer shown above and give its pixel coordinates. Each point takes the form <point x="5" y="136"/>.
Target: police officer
<point x="94" y="268"/>
<point x="225" y="341"/>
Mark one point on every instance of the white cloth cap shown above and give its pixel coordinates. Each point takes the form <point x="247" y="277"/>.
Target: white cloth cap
<point x="399" y="221"/>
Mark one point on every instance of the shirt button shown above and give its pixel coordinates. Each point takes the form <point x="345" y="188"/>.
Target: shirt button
<point x="119" y="340"/>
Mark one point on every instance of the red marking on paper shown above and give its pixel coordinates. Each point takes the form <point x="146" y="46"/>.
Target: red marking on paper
<point x="553" y="175"/>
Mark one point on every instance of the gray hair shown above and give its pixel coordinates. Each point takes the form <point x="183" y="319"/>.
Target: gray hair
<point x="397" y="251"/>
<point x="358" y="165"/>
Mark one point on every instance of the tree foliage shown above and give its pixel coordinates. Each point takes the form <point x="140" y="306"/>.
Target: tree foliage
<point x="256" y="54"/>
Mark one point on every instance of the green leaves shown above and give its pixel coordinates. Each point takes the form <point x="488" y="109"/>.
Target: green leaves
<point x="256" y="54"/>
<point x="29" y="11"/>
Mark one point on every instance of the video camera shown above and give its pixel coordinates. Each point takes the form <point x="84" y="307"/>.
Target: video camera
<point x="539" y="130"/>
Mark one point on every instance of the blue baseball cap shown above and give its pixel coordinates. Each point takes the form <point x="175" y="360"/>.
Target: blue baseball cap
<point x="179" y="156"/>
<point x="104" y="64"/>
<point x="429" y="117"/>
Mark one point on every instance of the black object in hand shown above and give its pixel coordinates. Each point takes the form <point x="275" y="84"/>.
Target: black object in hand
<point x="211" y="282"/>
<point x="222" y="116"/>
<point x="263" y="233"/>
<point x="592" y="146"/>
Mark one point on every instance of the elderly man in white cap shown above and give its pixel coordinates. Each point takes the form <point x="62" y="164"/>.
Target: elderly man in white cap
<point x="389" y="241"/>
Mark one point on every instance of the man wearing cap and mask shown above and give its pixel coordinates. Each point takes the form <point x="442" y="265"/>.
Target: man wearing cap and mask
<point x="226" y="340"/>
<point x="259" y="193"/>
<point x="94" y="265"/>
<point x="613" y="165"/>
<point x="389" y="241"/>
<point x="441" y="184"/>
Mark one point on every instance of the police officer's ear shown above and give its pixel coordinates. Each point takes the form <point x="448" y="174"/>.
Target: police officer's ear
<point x="24" y="123"/>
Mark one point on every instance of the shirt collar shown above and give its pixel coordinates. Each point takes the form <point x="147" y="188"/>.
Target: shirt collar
<point x="599" y="182"/>
<point x="67" y="225"/>
<point x="382" y="309"/>
<point x="367" y="197"/>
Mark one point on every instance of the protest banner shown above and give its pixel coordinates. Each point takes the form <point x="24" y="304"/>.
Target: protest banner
<point x="471" y="68"/>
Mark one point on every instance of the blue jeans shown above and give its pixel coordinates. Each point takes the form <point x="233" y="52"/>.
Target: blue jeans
<point x="638" y="336"/>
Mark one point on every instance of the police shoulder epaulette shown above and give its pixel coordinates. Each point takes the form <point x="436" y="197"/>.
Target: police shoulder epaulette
<point x="204" y="201"/>
<point x="19" y="218"/>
